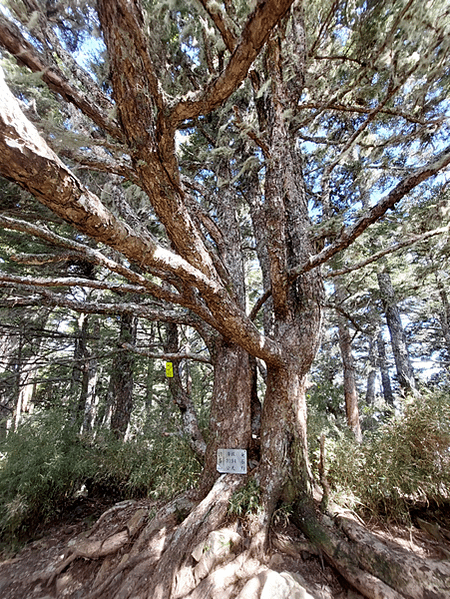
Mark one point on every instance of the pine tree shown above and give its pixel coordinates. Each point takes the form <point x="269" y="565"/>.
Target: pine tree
<point x="341" y="110"/>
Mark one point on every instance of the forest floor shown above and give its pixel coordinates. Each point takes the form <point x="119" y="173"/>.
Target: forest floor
<point x="28" y="573"/>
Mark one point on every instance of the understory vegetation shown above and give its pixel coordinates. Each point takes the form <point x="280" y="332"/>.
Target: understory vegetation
<point x="402" y="464"/>
<point x="47" y="468"/>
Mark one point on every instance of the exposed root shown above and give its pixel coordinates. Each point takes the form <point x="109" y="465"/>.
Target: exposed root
<point x="202" y="559"/>
<point x="96" y="548"/>
<point x="414" y="577"/>
<point x="376" y="570"/>
<point x="136" y="566"/>
<point x="288" y="545"/>
<point x="222" y="582"/>
<point x="147" y="549"/>
<point x="206" y="517"/>
<point x="123" y="505"/>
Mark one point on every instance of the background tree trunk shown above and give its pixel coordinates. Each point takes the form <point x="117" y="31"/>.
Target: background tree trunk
<point x="405" y="372"/>
<point x="182" y="398"/>
<point x="372" y="375"/>
<point x="350" y="389"/>
<point x="384" y="370"/>
<point x="122" y="377"/>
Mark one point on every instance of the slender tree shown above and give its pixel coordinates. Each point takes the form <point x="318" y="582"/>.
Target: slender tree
<point x="405" y="372"/>
<point x="350" y="388"/>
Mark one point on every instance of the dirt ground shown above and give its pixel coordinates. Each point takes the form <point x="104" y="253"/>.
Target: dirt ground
<point x="25" y="575"/>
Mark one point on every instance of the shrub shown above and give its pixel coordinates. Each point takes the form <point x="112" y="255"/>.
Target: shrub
<point x="45" y="464"/>
<point x="405" y="460"/>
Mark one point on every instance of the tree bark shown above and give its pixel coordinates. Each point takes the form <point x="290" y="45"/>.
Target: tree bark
<point x="405" y="372"/>
<point x="350" y="389"/>
<point x="121" y="383"/>
<point x="230" y="422"/>
<point x="230" y="415"/>
<point x="297" y="313"/>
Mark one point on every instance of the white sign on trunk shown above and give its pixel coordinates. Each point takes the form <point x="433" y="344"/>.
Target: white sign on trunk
<point x="232" y="461"/>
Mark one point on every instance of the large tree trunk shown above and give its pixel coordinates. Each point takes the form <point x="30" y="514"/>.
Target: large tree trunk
<point x="297" y="314"/>
<point x="284" y="469"/>
<point x="230" y="421"/>
<point x="230" y="425"/>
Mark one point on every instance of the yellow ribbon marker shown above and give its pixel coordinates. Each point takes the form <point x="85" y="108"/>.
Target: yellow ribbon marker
<point x="169" y="369"/>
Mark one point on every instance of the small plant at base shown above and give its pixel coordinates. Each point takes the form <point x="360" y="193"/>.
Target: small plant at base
<point x="282" y="515"/>
<point x="246" y="500"/>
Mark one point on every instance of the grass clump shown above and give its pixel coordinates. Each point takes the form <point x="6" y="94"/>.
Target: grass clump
<point x="45" y="467"/>
<point x="405" y="461"/>
<point x="246" y="500"/>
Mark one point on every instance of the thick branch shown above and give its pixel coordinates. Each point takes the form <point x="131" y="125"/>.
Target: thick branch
<point x="100" y="164"/>
<point x="13" y="41"/>
<point x="143" y="116"/>
<point x="186" y="299"/>
<point x="26" y="159"/>
<point x="84" y="252"/>
<point x="260" y="23"/>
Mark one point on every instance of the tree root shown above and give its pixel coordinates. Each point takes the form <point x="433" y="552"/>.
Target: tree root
<point x="376" y="570"/>
<point x="147" y="548"/>
<point x="222" y="582"/>
<point x="198" y="559"/>
<point x="154" y="564"/>
<point x="94" y="549"/>
<point x="115" y="508"/>
<point x="206" y="517"/>
<point x="404" y="571"/>
<point x="286" y="544"/>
